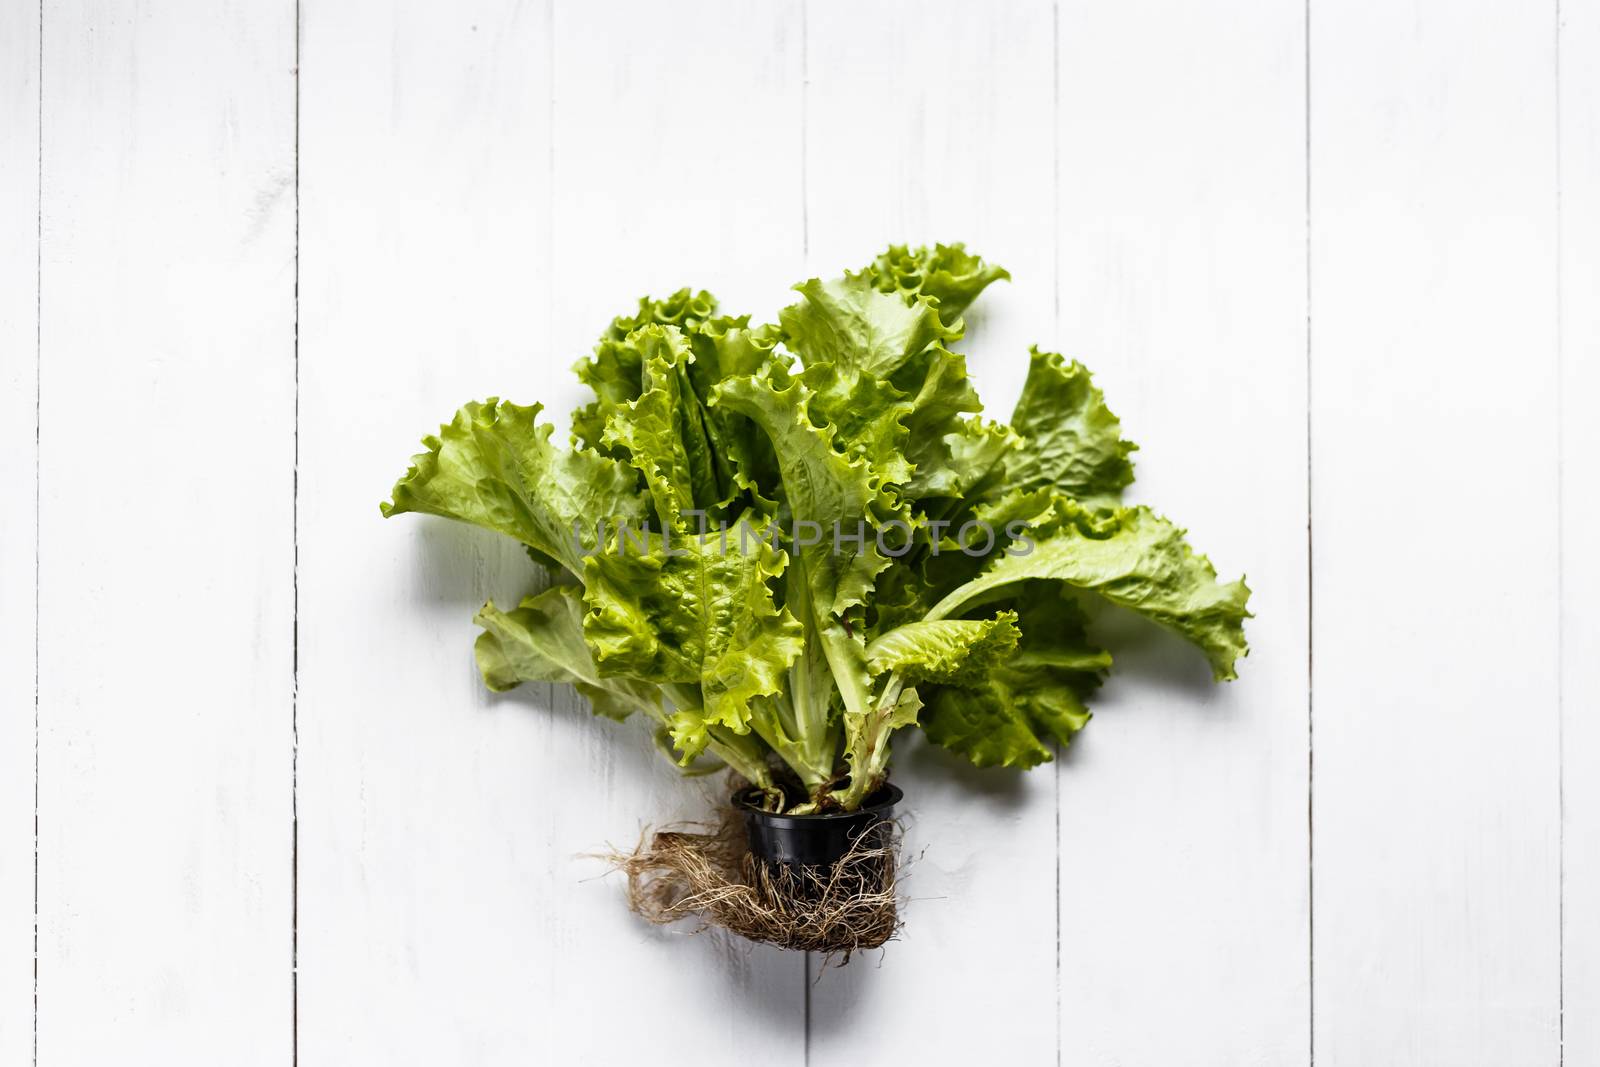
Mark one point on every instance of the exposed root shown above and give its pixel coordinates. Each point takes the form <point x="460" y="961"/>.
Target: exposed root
<point x="835" y="910"/>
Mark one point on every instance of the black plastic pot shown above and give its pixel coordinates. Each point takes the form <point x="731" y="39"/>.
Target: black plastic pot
<point x="813" y="840"/>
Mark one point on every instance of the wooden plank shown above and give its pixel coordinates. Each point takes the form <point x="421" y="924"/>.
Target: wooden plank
<point x="1580" y="531"/>
<point x="1434" y="364"/>
<point x="1183" y="808"/>
<point x="166" y="525"/>
<point x="422" y="810"/>
<point x="448" y="913"/>
<point x="676" y="140"/>
<point x="19" y="306"/>
<point x="933" y="122"/>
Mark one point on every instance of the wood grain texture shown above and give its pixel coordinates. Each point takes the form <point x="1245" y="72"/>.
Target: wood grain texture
<point x="425" y="928"/>
<point x="166" y="476"/>
<point x="1580" y="532"/>
<point x="933" y="122"/>
<point x="1434" y="364"/>
<point x="1183" y="809"/>
<point x="19" y="305"/>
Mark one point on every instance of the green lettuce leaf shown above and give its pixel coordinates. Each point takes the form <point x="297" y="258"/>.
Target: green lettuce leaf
<point x="945" y="650"/>
<point x="949" y="274"/>
<point x="819" y="485"/>
<point x="879" y="374"/>
<point x="1071" y="442"/>
<point x="848" y="323"/>
<point x="1009" y="715"/>
<point x="662" y="434"/>
<point x="687" y="309"/>
<point x="842" y="498"/>
<point x="852" y="338"/>
<point x="614" y="371"/>
<point x="542" y="641"/>
<point x="693" y="611"/>
<point x="728" y="349"/>
<point x="1008" y="721"/>
<point x="952" y="453"/>
<point x="866" y="416"/>
<point x="494" y="466"/>
<point x="1133" y="558"/>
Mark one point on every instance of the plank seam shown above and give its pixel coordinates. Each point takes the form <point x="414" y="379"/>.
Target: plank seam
<point x="38" y="407"/>
<point x="294" y="655"/>
<point x="1561" y="587"/>
<point x="1311" y="586"/>
<point x="805" y="140"/>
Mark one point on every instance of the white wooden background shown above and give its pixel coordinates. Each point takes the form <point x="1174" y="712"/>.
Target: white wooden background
<point x="1337" y="265"/>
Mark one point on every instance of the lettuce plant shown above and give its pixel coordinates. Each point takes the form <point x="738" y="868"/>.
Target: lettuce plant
<point x="782" y="543"/>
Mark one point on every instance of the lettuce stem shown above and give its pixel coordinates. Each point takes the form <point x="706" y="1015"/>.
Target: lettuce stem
<point x="766" y="720"/>
<point x="742" y="753"/>
<point x="868" y="754"/>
